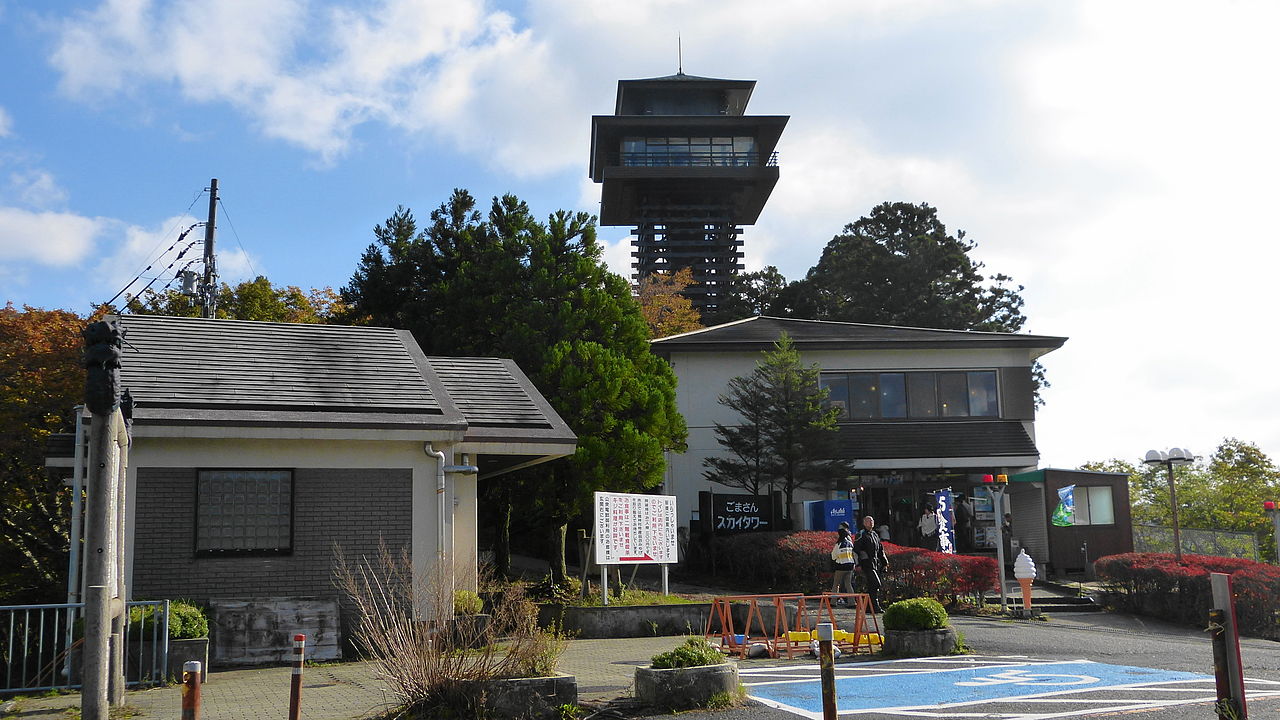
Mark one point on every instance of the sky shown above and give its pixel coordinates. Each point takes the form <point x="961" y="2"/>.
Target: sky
<point x="1116" y="158"/>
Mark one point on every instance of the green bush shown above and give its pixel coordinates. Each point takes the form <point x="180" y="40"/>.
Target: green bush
<point x="694" y="652"/>
<point x="915" y="614"/>
<point x="466" y="602"/>
<point x="186" y="621"/>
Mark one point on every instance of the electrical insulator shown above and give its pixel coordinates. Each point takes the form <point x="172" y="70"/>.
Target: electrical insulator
<point x="189" y="278"/>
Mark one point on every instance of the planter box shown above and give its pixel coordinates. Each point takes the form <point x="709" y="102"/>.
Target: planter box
<point x="142" y="655"/>
<point x="920" y="643"/>
<point x="534" y="698"/>
<point x="623" y="621"/>
<point x="470" y="630"/>
<point x="685" y="688"/>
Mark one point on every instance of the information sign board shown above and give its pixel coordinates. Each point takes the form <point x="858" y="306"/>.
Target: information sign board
<point x="635" y="529"/>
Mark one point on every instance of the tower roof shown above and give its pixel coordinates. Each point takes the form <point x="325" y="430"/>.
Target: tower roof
<point x="682" y="94"/>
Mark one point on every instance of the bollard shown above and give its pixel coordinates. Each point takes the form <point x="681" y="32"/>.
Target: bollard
<point x="295" y="690"/>
<point x="1226" y="707"/>
<point x="827" y="659"/>
<point x="191" y="690"/>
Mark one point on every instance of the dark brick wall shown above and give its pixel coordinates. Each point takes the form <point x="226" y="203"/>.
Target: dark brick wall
<point x="354" y="508"/>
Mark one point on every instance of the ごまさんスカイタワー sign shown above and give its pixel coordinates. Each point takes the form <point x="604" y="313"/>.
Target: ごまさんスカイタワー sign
<point x="633" y="529"/>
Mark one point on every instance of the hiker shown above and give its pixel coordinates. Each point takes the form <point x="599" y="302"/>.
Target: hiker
<point x="871" y="558"/>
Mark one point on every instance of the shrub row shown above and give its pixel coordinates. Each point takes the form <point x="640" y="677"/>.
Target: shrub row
<point x="801" y="562"/>
<point x="1155" y="584"/>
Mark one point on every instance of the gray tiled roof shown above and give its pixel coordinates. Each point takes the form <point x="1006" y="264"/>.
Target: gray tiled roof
<point x="935" y="439"/>
<point x="759" y="333"/>
<point x="197" y="371"/>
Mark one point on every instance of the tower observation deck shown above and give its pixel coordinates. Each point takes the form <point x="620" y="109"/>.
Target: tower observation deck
<point x="681" y="162"/>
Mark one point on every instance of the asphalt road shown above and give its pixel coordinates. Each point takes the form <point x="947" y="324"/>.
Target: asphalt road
<point x="1113" y="639"/>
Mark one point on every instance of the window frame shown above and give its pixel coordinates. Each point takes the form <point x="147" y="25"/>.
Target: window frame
<point x="243" y="552"/>
<point x="912" y="378"/>
<point x="1088" y="505"/>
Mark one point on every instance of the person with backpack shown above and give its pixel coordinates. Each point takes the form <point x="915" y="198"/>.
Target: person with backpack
<point x="842" y="554"/>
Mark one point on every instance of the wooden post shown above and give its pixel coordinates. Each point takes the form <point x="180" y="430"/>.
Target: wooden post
<point x="827" y="659"/>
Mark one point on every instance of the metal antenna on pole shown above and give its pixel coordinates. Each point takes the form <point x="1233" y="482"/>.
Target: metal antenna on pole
<point x="209" y="291"/>
<point x="679" y="55"/>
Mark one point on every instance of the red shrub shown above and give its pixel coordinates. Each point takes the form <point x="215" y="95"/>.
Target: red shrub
<point x="1155" y="584"/>
<point x="801" y="562"/>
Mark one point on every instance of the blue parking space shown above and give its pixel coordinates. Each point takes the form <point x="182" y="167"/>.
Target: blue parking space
<point x="898" y="686"/>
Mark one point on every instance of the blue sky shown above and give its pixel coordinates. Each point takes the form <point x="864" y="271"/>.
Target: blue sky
<point x="1117" y="159"/>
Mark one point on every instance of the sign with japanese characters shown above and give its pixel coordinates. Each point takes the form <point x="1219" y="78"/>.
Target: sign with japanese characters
<point x="740" y="513"/>
<point x="635" y="529"/>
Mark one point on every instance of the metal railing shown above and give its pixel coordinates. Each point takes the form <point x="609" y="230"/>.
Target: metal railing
<point x="694" y="158"/>
<point x="40" y="646"/>
<point x="1222" y="543"/>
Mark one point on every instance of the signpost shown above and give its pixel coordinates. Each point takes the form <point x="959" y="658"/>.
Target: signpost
<point x="634" y="530"/>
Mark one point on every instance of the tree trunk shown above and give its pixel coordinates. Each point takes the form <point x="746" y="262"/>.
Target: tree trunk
<point x="555" y="552"/>
<point x="502" y="548"/>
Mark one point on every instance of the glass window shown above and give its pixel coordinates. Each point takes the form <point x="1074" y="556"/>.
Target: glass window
<point x="982" y="394"/>
<point x="837" y="387"/>
<point x="244" y="511"/>
<point x="922" y="395"/>
<point x="953" y="395"/>
<point x="864" y="394"/>
<point x="1101" y="510"/>
<point x="893" y="395"/>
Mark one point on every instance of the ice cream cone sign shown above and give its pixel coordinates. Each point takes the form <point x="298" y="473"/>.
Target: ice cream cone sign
<point x="1024" y="569"/>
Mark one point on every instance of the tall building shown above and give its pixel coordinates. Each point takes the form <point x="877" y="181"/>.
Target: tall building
<point x="682" y="163"/>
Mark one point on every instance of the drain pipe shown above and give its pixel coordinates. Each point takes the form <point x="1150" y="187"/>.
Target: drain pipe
<point x="439" y="456"/>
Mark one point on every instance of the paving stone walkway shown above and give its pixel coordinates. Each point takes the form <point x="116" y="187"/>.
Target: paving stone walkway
<point x="347" y="691"/>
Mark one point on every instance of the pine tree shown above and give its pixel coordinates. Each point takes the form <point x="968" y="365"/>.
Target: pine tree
<point x="786" y="438"/>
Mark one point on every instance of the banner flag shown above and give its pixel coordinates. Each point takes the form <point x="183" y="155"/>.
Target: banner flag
<point x="946" y="521"/>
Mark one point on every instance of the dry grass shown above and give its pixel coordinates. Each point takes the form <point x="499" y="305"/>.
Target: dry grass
<point x="434" y="662"/>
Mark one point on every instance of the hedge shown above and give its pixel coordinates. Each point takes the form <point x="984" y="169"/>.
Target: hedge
<point x="1156" y="584"/>
<point x="801" y="562"/>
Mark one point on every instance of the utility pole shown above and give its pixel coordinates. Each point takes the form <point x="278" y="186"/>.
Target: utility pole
<point x="102" y="673"/>
<point x="209" y="291"/>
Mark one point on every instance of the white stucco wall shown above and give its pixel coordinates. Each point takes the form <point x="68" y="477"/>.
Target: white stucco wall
<point x="704" y="376"/>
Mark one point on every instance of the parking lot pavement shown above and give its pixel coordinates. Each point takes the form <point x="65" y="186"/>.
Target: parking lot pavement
<point x="1009" y="687"/>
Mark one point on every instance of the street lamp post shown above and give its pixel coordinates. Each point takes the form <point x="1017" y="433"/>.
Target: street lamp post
<point x="1271" y="509"/>
<point x="1175" y="456"/>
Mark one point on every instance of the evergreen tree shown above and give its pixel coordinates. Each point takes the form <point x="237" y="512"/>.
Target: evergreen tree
<point x="899" y="266"/>
<point x="786" y="439"/>
<point x="540" y="294"/>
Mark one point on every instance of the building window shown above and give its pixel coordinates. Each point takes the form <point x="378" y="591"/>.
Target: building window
<point x="244" y="511"/>
<point x="688" y="152"/>
<point x="1094" y="506"/>
<point x="914" y="395"/>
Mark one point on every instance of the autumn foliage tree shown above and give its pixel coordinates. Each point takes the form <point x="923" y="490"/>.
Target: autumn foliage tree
<point x="662" y="303"/>
<point x="256" y="299"/>
<point x="41" y="382"/>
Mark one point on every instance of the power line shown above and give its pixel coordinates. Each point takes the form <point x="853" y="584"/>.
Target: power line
<point x="148" y="267"/>
<point x="237" y="236"/>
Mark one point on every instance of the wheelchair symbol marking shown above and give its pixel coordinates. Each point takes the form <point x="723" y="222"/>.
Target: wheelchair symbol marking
<point x="1022" y="677"/>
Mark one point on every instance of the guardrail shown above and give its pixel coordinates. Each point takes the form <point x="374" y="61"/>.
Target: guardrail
<point x="40" y="650"/>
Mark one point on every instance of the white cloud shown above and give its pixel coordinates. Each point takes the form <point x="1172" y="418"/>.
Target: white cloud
<point x="6" y="123"/>
<point x="37" y="188"/>
<point x="46" y="238"/>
